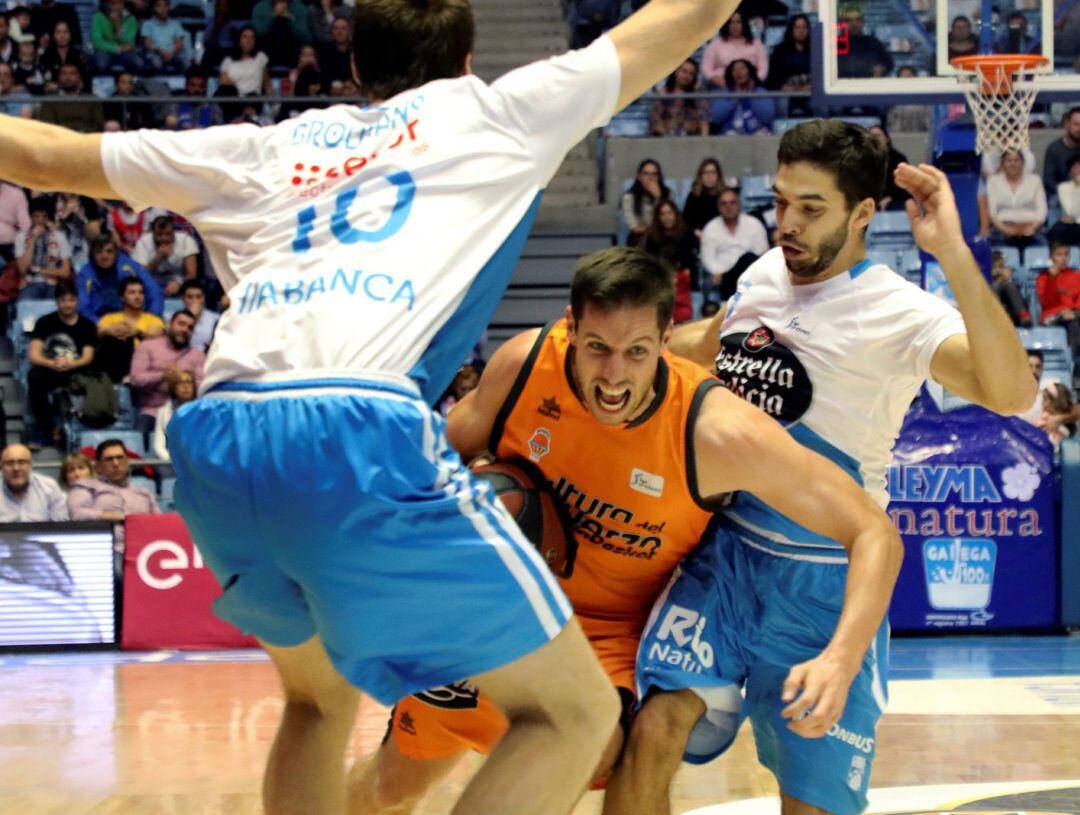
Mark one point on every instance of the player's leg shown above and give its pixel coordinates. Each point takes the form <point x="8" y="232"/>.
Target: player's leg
<point x="561" y="706"/>
<point x="641" y="782"/>
<point x="793" y="806"/>
<point x="390" y="783"/>
<point x="305" y="772"/>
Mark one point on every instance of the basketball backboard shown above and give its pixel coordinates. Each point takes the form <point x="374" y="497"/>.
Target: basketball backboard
<point x="898" y="51"/>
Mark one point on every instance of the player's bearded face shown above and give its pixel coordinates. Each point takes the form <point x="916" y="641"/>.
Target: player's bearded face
<point x="616" y="353"/>
<point x="816" y="259"/>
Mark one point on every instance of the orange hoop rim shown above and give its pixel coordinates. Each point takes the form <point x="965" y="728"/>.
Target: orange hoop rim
<point x="989" y="64"/>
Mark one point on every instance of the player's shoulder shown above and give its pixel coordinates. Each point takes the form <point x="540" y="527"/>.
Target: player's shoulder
<point x="512" y="356"/>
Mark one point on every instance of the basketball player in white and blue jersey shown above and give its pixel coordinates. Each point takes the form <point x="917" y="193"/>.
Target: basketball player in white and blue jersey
<point x="836" y="348"/>
<point x="364" y="249"/>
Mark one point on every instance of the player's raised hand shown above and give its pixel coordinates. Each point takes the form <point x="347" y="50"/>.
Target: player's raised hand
<point x="935" y="221"/>
<point x="818" y="691"/>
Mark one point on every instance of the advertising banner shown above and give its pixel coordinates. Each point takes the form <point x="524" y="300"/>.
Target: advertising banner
<point x="168" y="590"/>
<point x="972" y="494"/>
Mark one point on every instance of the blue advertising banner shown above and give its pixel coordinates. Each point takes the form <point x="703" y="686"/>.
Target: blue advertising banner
<point x="972" y="494"/>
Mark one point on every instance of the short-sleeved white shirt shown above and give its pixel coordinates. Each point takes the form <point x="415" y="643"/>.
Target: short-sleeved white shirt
<point x="58" y="246"/>
<point x="838" y="362"/>
<point x="184" y="246"/>
<point x="354" y="240"/>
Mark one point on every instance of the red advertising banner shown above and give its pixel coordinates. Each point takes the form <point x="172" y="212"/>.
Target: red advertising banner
<point x="168" y="590"/>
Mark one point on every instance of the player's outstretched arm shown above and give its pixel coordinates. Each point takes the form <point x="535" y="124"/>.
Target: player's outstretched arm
<point x="46" y="157"/>
<point x="738" y="447"/>
<point x="698" y="341"/>
<point x="987" y="365"/>
<point x="469" y="423"/>
<point x="654" y="41"/>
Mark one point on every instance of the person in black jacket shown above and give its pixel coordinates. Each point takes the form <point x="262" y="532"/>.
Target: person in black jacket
<point x="703" y="202"/>
<point x="894" y="196"/>
<point x="789" y="65"/>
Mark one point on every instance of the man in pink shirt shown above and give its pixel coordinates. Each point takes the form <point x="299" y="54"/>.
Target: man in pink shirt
<point x="14" y="218"/>
<point x="109" y="496"/>
<point x="156" y="363"/>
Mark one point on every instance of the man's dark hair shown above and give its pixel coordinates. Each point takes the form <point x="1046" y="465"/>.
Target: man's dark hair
<point x="99" y="451"/>
<point x="65" y="286"/>
<point x="188" y="285"/>
<point x="160" y="221"/>
<point x="42" y="203"/>
<point x="848" y="151"/>
<point x="1035" y="352"/>
<point x="1055" y="245"/>
<point x="402" y="44"/>
<point x="1069" y="114"/>
<point x="127" y="283"/>
<point x="623" y="277"/>
<point x="182" y="313"/>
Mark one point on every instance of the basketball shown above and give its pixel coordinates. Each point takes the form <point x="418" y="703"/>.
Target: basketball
<point x="542" y="518"/>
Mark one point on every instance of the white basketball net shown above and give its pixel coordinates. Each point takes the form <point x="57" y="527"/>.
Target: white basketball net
<point x="1002" y="106"/>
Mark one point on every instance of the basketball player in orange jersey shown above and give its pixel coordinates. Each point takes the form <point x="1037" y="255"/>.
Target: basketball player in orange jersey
<point x="641" y="447"/>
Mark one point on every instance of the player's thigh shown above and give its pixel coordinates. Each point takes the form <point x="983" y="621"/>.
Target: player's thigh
<point x="308" y="677"/>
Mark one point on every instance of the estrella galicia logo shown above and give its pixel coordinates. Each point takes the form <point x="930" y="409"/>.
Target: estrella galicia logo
<point x="766" y="373"/>
<point x="959" y="572"/>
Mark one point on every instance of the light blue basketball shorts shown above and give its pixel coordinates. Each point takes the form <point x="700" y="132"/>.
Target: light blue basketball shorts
<point x="337" y="508"/>
<point x="735" y="617"/>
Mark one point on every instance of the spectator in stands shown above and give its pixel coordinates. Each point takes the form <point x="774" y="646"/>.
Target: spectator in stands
<point x="908" y="118"/>
<point x="129" y="226"/>
<point x="81" y="219"/>
<point x="124" y="106"/>
<point x="44" y="17"/>
<point x="283" y="26"/>
<point x="866" y="54"/>
<point x="14" y="218"/>
<point x="639" y="202"/>
<point x="322" y="15"/>
<point x="28" y="497"/>
<point x="171" y="257"/>
<point x="156" y="363"/>
<point x="962" y="41"/>
<point x="335" y="57"/>
<point x="735" y="41"/>
<point x="588" y="19"/>
<point x="99" y="280"/>
<point x="8" y="48"/>
<point x="246" y="69"/>
<point x="182" y="389"/>
<point x="12" y="102"/>
<point x="19" y="24"/>
<point x="894" y="196"/>
<point x="703" y="201"/>
<point x="193" y="294"/>
<point x="165" y="41"/>
<point x="221" y="35"/>
<point x="1060" y="152"/>
<point x="74" y="467"/>
<point x="789" y="65"/>
<point x="744" y="115"/>
<point x="308" y="82"/>
<point x="729" y="245"/>
<point x="1016" y="39"/>
<point x="1017" y="203"/>
<point x="110" y="496"/>
<point x="1055" y="409"/>
<point x="1008" y="291"/>
<point x="61" y="51"/>
<point x="672" y="241"/>
<point x="1058" y="289"/>
<point x="61" y="344"/>
<point x="26" y="73"/>
<point x="42" y="253"/>
<point x="193" y="115"/>
<point x="680" y="116"/>
<point x="1067" y="230"/>
<point x="114" y="35"/>
<point x="121" y="332"/>
<point x="464" y="383"/>
<point x="710" y="308"/>
<point x="84" y="117"/>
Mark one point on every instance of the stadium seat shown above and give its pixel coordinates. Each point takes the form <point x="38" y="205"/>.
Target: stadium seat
<point x="890" y="229"/>
<point x="632" y="121"/>
<point x="886" y="256"/>
<point x="28" y="311"/>
<point x="755" y="191"/>
<point x="144" y="482"/>
<point x="1054" y="344"/>
<point x="1037" y="258"/>
<point x="1010" y="254"/>
<point x="172" y="305"/>
<point x="132" y="439"/>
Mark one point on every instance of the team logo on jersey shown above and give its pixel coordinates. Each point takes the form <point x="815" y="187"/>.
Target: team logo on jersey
<point x="550" y="408"/>
<point x="766" y="373"/>
<point x="539" y="443"/>
<point x="648" y="483"/>
<point x="406" y="723"/>
<point x="457" y="696"/>
<point x="760" y="337"/>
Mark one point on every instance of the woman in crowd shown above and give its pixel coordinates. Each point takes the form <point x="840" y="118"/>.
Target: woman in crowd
<point x="736" y="41"/>
<point x="789" y="65"/>
<point x="61" y="52"/>
<point x="962" y="40"/>
<point x="181" y="391"/>
<point x="75" y="467"/>
<point x="639" y="202"/>
<point x="1067" y="230"/>
<point x="1017" y="203"/>
<point x="703" y="202"/>
<point x="679" y="116"/>
<point x="244" y="73"/>
<point x="671" y="240"/>
<point x="894" y="196"/>
<point x="744" y="115"/>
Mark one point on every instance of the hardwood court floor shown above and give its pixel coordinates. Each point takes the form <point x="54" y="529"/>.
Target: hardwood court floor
<point x="104" y="733"/>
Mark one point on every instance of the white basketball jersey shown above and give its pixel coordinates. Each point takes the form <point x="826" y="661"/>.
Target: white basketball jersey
<point x="838" y="363"/>
<point x="359" y="241"/>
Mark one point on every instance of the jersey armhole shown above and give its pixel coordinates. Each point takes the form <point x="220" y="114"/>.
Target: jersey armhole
<point x="516" y="389"/>
<point x="722" y="501"/>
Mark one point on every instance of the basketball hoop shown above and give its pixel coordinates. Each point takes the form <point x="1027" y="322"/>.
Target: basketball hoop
<point x="1000" y="90"/>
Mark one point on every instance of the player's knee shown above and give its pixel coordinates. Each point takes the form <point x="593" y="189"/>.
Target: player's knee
<point x="662" y="727"/>
<point x="394" y="795"/>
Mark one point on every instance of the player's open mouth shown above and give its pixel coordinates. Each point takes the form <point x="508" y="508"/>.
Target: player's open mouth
<point x="790" y="252"/>
<point x="612" y="401"/>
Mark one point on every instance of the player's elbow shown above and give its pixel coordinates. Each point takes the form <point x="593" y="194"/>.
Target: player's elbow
<point x="1014" y="399"/>
<point x="880" y="533"/>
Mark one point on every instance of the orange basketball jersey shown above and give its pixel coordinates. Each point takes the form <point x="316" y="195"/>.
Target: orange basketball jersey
<point x="630" y="488"/>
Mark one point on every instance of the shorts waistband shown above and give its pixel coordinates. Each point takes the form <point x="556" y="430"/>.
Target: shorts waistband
<point x="377" y="384"/>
